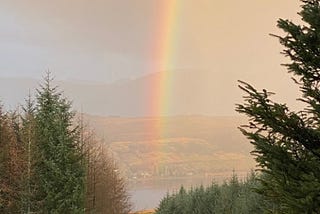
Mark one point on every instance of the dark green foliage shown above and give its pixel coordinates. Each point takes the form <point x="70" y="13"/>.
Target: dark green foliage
<point x="233" y="196"/>
<point x="50" y="165"/>
<point x="40" y="164"/>
<point x="287" y="147"/>
<point x="59" y="168"/>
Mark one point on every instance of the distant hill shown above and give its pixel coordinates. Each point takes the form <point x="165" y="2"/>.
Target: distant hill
<point x="189" y="146"/>
<point x="190" y="93"/>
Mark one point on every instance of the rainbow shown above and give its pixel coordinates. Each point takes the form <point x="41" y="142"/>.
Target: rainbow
<point x="163" y="50"/>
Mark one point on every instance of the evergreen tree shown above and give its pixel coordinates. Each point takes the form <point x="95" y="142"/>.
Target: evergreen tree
<point x="287" y="143"/>
<point x="27" y="135"/>
<point x="50" y="165"/>
<point x="233" y="196"/>
<point x="4" y="159"/>
<point x="59" y="168"/>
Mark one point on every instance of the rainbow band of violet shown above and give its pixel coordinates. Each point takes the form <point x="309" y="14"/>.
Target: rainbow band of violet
<point x="164" y="51"/>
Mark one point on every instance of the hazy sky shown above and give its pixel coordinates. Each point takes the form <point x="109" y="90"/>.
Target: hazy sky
<point x="105" y="40"/>
<point x="108" y="40"/>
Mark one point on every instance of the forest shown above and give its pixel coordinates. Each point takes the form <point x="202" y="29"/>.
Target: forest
<point x="233" y="196"/>
<point x="51" y="163"/>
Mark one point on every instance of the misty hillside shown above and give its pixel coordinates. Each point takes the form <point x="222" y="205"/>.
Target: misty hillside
<point x="189" y="145"/>
<point x="189" y="92"/>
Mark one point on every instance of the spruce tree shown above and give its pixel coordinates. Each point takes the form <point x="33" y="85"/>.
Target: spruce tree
<point x="287" y="143"/>
<point x="59" y="168"/>
<point x="27" y="134"/>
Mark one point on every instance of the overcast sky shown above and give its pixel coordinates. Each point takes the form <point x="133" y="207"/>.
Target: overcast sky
<point x="106" y="40"/>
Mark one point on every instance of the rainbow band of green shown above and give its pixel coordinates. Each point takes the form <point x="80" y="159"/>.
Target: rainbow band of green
<point x="164" y="50"/>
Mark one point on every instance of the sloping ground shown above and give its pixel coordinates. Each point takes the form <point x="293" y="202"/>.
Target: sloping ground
<point x="176" y="157"/>
<point x="187" y="146"/>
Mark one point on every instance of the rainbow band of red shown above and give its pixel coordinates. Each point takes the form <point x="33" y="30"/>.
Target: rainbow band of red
<point x="164" y="54"/>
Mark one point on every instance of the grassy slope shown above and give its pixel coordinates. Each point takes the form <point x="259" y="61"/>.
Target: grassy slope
<point x="196" y="145"/>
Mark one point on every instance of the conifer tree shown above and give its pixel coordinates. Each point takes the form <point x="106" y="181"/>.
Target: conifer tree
<point x="59" y="168"/>
<point x="234" y="196"/>
<point x="27" y="135"/>
<point x="287" y="143"/>
<point x="5" y="190"/>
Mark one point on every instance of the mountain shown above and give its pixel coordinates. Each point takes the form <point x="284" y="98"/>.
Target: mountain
<point x="188" y="93"/>
<point x="188" y="146"/>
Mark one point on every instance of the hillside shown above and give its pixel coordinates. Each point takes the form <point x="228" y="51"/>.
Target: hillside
<point x="189" y="146"/>
<point x="191" y="92"/>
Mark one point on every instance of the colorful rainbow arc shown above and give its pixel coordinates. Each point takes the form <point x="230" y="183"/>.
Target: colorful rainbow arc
<point x="164" y="53"/>
<point x="163" y="50"/>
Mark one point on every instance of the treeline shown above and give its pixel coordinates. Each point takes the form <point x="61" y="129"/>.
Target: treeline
<point x="51" y="163"/>
<point x="233" y="196"/>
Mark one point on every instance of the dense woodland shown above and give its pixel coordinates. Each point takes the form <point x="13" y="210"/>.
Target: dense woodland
<point x="233" y="196"/>
<point x="51" y="163"/>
